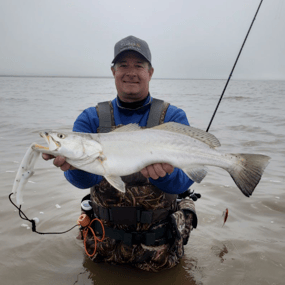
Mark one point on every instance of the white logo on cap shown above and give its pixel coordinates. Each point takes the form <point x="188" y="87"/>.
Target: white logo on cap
<point x="128" y="44"/>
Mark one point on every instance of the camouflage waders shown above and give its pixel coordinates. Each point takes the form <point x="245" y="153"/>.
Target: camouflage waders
<point x="144" y="227"/>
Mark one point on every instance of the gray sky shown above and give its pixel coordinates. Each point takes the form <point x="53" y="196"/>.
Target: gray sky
<point x="188" y="39"/>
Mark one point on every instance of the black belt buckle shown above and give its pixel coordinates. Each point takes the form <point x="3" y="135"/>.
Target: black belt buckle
<point x="128" y="237"/>
<point x="146" y="217"/>
<point x="124" y="215"/>
<point x="104" y="213"/>
<point x="149" y="238"/>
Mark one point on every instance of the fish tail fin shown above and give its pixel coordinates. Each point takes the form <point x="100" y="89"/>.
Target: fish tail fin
<point x="247" y="171"/>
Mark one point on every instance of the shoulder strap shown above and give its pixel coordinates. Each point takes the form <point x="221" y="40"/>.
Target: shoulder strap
<point x="157" y="112"/>
<point x="105" y="117"/>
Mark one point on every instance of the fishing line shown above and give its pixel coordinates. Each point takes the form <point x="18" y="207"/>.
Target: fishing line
<point x="33" y="222"/>
<point x="233" y="67"/>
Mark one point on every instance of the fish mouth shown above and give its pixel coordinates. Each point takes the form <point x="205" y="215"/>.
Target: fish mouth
<point x="40" y="147"/>
<point x="53" y="145"/>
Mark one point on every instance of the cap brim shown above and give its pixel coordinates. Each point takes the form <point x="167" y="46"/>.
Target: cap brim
<point x="129" y="49"/>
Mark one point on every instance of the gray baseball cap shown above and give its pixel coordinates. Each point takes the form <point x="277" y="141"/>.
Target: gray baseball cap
<point x="132" y="43"/>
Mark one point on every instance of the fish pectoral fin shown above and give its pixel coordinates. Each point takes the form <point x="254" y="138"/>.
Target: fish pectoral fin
<point x="197" y="174"/>
<point x="116" y="182"/>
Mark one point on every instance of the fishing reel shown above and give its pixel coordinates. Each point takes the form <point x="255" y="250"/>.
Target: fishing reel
<point x="191" y="194"/>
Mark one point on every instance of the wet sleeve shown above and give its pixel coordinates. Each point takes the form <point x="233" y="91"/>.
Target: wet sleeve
<point x="177" y="182"/>
<point x="177" y="115"/>
<point x="82" y="179"/>
<point x="86" y="122"/>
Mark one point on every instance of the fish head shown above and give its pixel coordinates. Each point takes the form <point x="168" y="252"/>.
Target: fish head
<point x="70" y="145"/>
<point x="53" y="145"/>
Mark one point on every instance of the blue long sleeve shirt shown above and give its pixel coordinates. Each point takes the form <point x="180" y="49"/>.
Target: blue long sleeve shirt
<point x="88" y="122"/>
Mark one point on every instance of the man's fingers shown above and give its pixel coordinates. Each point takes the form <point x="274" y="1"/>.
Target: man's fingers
<point x="145" y="173"/>
<point x="46" y="156"/>
<point x="149" y="172"/>
<point x="59" y="161"/>
<point x="168" y="168"/>
<point x="66" y="166"/>
<point x="159" y="171"/>
<point x="152" y="173"/>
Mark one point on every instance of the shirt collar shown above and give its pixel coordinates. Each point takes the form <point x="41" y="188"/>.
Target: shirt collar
<point x="135" y="105"/>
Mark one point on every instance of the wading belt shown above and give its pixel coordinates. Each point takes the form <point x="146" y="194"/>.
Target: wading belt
<point x="155" y="237"/>
<point x="130" y="215"/>
<point x="126" y="215"/>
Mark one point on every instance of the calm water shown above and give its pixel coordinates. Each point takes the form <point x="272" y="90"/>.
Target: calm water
<point x="249" y="249"/>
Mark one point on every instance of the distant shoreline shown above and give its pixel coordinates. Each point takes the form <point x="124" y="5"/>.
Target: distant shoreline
<point x="154" y="78"/>
<point x="107" y="77"/>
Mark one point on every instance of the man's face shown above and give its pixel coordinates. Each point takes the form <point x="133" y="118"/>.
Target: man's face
<point x="132" y="76"/>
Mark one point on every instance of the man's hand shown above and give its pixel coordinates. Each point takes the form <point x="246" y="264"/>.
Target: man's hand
<point x="157" y="170"/>
<point x="59" y="161"/>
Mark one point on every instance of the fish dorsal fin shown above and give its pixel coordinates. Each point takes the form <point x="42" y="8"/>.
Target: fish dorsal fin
<point x="128" y="128"/>
<point x="195" y="133"/>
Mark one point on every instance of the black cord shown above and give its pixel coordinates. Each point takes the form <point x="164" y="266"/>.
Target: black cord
<point x="233" y="67"/>
<point x="33" y="222"/>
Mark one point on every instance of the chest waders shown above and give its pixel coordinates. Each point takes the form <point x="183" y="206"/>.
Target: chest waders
<point x="144" y="227"/>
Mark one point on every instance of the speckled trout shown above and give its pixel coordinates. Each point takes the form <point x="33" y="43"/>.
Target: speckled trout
<point x="130" y="148"/>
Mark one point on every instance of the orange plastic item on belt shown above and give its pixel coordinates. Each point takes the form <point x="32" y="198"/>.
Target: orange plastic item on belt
<point x="84" y="221"/>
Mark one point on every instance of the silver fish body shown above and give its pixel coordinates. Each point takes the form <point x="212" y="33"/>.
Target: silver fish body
<point x="129" y="149"/>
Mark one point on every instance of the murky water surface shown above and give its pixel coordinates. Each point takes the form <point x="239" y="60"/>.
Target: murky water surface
<point x="249" y="249"/>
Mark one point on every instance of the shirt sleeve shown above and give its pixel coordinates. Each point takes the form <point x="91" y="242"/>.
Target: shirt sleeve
<point x="87" y="122"/>
<point x="177" y="182"/>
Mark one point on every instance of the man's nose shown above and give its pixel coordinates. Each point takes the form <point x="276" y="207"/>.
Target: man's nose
<point x="131" y="73"/>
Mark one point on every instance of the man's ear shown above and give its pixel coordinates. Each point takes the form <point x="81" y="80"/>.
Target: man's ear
<point x="113" y="70"/>
<point x="150" y="72"/>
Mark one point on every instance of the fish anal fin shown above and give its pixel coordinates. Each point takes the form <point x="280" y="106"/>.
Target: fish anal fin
<point x="195" y="133"/>
<point x="197" y="174"/>
<point x="116" y="182"/>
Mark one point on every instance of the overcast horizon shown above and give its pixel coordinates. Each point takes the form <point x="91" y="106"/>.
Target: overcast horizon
<point x="153" y="78"/>
<point x="187" y="39"/>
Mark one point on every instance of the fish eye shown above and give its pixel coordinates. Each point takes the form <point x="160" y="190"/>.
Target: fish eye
<point x="61" y="136"/>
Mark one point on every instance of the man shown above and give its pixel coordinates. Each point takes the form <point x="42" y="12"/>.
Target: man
<point x="141" y="225"/>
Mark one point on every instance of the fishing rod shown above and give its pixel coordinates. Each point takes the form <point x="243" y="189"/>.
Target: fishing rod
<point x="233" y="67"/>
